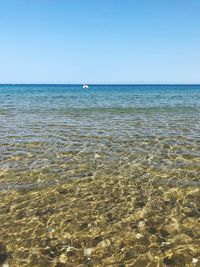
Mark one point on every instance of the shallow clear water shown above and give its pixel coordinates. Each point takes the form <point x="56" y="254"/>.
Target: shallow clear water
<point x="55" y="135"/>
<point x="58" y="129"/>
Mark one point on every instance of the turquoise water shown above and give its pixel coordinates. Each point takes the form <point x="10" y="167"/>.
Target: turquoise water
<point x="107" y="176"/>
<point x="59" y="128"/>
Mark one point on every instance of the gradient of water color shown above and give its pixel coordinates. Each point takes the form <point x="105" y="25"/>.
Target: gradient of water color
<point x="83" y="169"/>
<point x="59" y="128"/>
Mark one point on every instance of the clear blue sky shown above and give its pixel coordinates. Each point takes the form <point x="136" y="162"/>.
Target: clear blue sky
<point x="99" y="41"/>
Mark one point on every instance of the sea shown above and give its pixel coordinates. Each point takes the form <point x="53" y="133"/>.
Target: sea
<point x="144" y="138"/>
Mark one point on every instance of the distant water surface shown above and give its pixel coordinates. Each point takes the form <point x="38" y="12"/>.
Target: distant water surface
<point x="107" y="176"/>
<point x="52" y="133"/>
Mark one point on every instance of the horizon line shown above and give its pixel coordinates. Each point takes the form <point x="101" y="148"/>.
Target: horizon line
<point x="100" y="83"/>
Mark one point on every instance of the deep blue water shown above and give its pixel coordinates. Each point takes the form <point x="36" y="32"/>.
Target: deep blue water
<point x="99" y="96"/>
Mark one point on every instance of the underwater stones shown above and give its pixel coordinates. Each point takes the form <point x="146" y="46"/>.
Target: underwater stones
<point x="153" y="239"/>
<point x="103" y="244"/>
<point x="139" y="236"/>
<point x="166" y="245"/>
<point x="83" y="225"/>
<point x="88" y="252"/>
<point x="168" y="261"/>
<point x="128" y="253"/>
<point x="51" y="230"/>
<point x="142" y="260"/>
<point x="194" y="261"/>
<point x="171" y="195"/>
<point x="140" y="203"/>
<point x="3" y="253"/>
<point x="193" y="194"/>
<point x="153" y="251"/>
<point x="154" y="224"/>
<point x="190" y="208"/>
<point x="3" y="257"/>
<point x="172" y="227"/>
<point x="20" y="214"/>
<point x="182" y="239"/>
<point x="63" y="191"/>
<point x="146" y="212"/>
<point x="71" y="251"/>
<point x="63" y="258"/>
<point x="89" y="225"/>
<point x="182" y="256"/>
<point x="5" y="264"/>
<point x="96" y="240"/>
<point x="141" y="225"/>
<point x="163" y="233"/>
<point x="96" y="157"/>
<point x="89" y="217"/>
<point x="75" y="242"/>
<point x="90" y="240"/>
<point x="44" y="212"/>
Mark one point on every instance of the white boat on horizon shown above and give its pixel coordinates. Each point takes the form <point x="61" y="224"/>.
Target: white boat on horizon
<point x="85" y="86"/>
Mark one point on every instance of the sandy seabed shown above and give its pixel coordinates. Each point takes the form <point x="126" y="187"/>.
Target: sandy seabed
<point x="102" y="220"/>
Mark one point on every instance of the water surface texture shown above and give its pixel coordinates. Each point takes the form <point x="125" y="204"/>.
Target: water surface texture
<point x="105" y="176"/>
